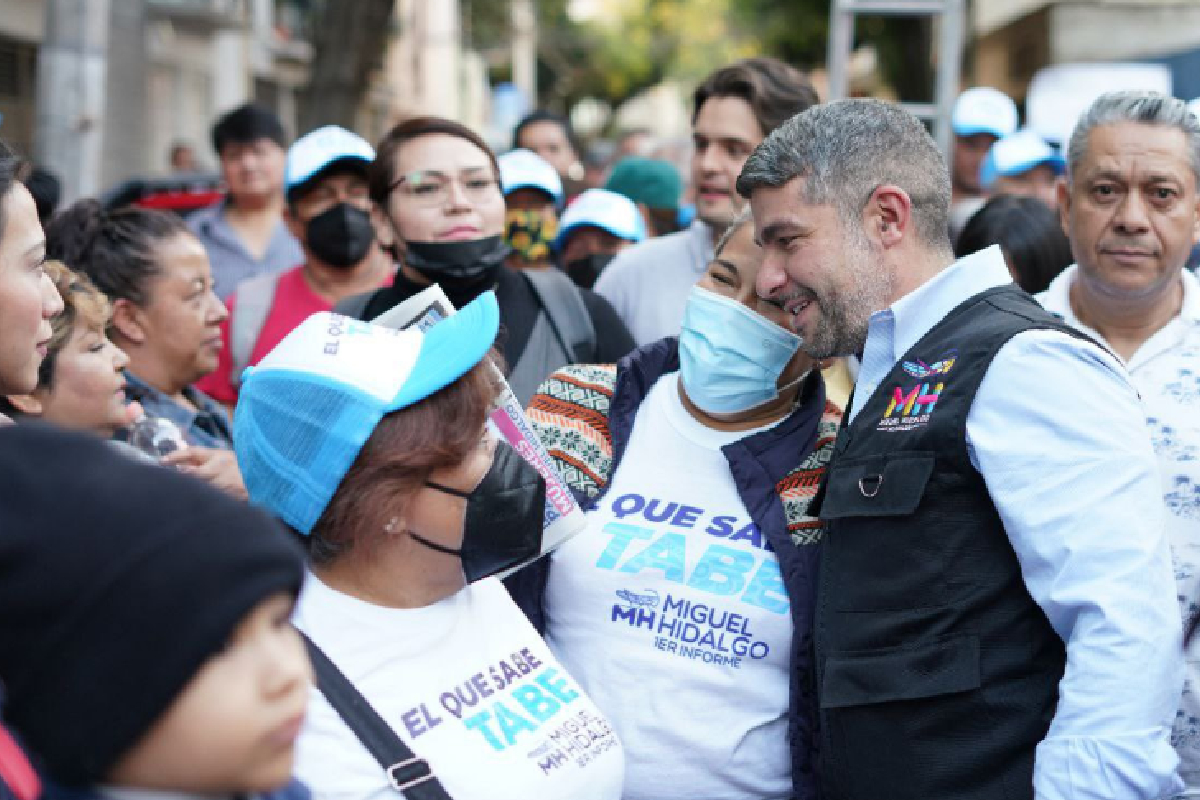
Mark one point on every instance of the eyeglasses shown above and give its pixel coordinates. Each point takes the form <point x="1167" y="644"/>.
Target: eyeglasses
<point x="429" y="189"/>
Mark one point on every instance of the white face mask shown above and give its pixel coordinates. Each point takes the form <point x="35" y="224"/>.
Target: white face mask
<point x="730" y="357"/>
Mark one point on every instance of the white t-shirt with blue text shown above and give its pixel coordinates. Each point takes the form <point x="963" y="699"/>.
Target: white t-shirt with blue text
<point x="670" y="611"/>
<point x="469" y="685"/>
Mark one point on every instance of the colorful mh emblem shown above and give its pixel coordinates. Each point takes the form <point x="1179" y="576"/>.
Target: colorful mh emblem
<point x="910" y="406"/>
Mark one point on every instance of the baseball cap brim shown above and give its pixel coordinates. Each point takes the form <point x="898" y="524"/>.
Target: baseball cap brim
<point x="524" y="184"/>
<point x="344" y="163"/>
<point x="636" y="235"/>
<point x="451" y="348"/>
<point x="971" y="130"/>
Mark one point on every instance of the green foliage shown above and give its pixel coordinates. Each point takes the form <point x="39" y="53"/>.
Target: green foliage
<point x="636" y="44"/>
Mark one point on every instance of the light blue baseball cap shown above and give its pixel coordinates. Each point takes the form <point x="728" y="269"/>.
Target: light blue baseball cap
<point x="983" y="109"/>
<point x="602" y="209"/>
<point x="317" y="151"/>
<point x="1020" y="152"/>
<point x="525" y="169"/>
<point x="310" y="405"/>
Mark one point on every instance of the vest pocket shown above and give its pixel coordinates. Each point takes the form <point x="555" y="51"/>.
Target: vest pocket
<point x="901" y="673"/>
<point x="893" y="719"/>
<point x="878" y="486"/>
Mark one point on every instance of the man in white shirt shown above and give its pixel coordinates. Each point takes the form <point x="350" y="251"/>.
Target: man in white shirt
<point x="1131" y="209"/>
<point x="995" y="615"/>
<point x="735" y="108"/>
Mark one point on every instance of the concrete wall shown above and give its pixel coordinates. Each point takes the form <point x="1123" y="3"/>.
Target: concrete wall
<point x="1122" y="31"/>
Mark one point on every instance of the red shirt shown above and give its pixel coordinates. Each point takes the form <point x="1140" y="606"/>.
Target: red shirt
<point x="295" y="301"/>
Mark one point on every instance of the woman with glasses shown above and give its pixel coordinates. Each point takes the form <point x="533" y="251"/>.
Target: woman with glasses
<point x="440" y="210"/>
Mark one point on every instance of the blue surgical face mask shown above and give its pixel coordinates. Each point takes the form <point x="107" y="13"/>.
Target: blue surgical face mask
<point x="730" y="357"/>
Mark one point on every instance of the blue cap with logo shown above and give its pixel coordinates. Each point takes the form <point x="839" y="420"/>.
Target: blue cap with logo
<point x="310" y="405"/>
<point x="315" y="152"/>
<point x="602" y="209"/>
<point x="1020" y="152"/>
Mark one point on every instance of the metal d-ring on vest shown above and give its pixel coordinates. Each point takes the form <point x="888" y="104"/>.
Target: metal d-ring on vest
<point x="877" y="479"/>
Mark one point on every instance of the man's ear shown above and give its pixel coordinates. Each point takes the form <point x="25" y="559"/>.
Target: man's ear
<point x="1064" y="204"/>
<point x="127" y="321"/>
<point x="294" y="225"/>
<point x="26" y="404"/>
<point x="887" y="216"/>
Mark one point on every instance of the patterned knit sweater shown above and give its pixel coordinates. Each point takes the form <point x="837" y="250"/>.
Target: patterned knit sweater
<point x="570" y="414"/>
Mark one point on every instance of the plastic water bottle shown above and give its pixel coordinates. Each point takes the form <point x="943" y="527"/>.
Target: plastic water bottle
<point x="157" y="437"/>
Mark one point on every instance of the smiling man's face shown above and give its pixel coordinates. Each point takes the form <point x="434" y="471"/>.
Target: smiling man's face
<point x="1130" y="209"/>
<point x="823" y="272"/>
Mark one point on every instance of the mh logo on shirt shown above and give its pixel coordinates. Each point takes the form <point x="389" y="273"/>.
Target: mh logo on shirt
<point x="910" y="407"/>
<point x="919" y="400"/>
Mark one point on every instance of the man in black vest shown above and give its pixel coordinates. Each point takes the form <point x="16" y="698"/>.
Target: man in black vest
<point x="996" y="617"/>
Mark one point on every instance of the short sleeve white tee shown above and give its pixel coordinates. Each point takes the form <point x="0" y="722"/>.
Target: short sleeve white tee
<point x="469" y="685"/>
<point x="670" y="611"/>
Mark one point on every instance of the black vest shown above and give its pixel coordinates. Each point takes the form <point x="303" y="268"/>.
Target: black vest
<point x="937" y="672"/>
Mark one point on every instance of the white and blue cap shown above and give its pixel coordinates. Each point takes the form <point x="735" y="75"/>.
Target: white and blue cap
<point x="984" y="110"/>
<point x="310" y="405"/>
<point x="317" y="151"/>
<point x="525" y="169"/>
<point x="602" y="209"/>
<point x="1020" y="152"/>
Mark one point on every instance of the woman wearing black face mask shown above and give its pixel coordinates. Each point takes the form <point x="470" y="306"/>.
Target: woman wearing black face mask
<point x="440" y="209"/>
<point x="409" y="507"/>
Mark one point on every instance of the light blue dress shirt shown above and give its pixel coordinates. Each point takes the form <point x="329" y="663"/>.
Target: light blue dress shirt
<point x="1060" y="438"/>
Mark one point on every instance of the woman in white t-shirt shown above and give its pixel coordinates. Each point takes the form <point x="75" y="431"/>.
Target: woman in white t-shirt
<point x="372" y="444"/>
<point x="685" y="607"/>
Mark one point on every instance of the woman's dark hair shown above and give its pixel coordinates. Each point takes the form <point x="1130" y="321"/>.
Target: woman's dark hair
<point x="405" y="447"/>
<point x="116" y="249"/>
<point x="10" y="165"/>
<point x="534" y="117"/>
<point x="247" y="124"/>
<point x="1029" y="233"/>
<point x="774" y="91"/>
<point x="382" y="173"/>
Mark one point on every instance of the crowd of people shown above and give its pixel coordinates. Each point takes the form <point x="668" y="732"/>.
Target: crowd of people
<point x="885" y="463"/>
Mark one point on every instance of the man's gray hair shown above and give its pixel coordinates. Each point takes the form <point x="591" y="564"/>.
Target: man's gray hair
<point x="847" y="149"/>
<point x="1144" y="108"/>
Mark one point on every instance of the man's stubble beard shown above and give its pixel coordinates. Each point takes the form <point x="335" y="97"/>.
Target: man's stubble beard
<point x="845" y="315"/>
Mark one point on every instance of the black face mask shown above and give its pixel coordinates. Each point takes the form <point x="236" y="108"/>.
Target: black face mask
<point x="340" y="236"/>
<point x="456" y="260"/>
<point x="503" y="527"/>
<point x="584" y="271"/>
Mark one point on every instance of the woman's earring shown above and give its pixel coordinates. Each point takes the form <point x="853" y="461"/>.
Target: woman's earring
<point x="393" y="525"/>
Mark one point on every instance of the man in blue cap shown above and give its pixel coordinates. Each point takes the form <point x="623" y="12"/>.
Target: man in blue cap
<point x="1024" y="165"/>
<point x="597" y="226"/>
<point x="329" y="212"/>
<point x="982" y="116"/>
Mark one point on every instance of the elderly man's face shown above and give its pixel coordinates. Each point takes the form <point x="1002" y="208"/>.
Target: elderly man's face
<point x="1131" y="210"/>
<point x="822" y="272"/>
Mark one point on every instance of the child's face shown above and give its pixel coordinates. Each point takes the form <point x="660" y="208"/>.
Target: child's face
<point x="88" y="389"/>
<point x="233" y="728"/>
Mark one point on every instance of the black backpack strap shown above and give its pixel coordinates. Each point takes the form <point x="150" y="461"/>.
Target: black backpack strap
<point x="407" y="773"/>
<point x="568" y="315"/>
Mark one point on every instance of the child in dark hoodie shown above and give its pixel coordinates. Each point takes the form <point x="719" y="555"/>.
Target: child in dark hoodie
<point x="145" y="642"/>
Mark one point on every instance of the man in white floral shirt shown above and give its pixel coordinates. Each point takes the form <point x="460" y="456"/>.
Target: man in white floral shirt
<point x="1132" y="211"/>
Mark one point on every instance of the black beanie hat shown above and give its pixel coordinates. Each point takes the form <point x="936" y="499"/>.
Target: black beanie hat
<point x="118" y="580"/>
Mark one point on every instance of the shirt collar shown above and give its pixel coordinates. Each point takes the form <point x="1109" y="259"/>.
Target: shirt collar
<point x="1057" y="298"/>
<point x="702" y="240"/>
<point x="162" y="403"/>
<point x="917" y="312"/>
